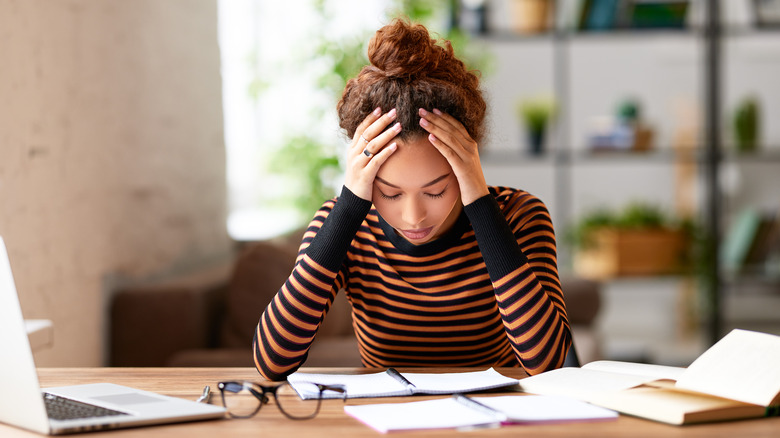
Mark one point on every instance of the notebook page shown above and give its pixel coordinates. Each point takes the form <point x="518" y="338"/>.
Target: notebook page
<point x="450" y="383"/>
<point x="358" y="385"/>
<point x="444" y="413"/>
<point x="546" y="408"/>
<point x="448" y="413"/>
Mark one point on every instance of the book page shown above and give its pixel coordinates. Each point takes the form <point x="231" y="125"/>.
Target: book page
<point x="742" y="366"/>
<point x="581" y="383"/>
<point x="450" y="383"/>
<point x="358" y="385"/>
<point x="637" y="369"/>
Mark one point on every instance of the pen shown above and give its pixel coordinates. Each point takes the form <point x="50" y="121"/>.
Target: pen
<point x="205" y="396"/>
<point x="398" y="376"/>
<point x="477" y="406"/>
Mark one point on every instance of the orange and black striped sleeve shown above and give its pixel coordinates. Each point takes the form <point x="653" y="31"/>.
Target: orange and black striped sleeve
<point x="517" y="242"/>
<point x="288" y="325"/>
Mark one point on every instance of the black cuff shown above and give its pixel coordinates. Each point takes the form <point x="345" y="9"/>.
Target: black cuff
<point x="330" y="245"/>
<point x="496" y="240"/>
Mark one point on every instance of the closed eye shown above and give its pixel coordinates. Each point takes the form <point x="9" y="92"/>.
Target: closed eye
<point x="389" y="197"/>
<point x="436" y="195"/>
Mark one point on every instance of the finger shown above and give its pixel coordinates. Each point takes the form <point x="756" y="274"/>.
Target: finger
<point x="377" y="160"/>
<point x="371" y="118"/>
<point x="376" y="127"/>
<point x="378" y="143"/>
<point x="442" y="137"/>
<point x="445" y="122"/>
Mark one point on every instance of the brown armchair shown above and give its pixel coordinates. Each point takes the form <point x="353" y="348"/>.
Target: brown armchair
<point x="208" y="318"/>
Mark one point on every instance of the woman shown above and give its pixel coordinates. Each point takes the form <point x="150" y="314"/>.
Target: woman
<point x="440" y="268"/>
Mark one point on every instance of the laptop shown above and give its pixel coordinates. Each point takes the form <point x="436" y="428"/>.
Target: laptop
<point x="99" y="406"/>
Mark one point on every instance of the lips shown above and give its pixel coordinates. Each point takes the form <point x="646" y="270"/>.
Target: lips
<point x="418" y="234"/>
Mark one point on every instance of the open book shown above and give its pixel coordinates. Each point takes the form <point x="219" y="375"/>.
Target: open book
<point x="460" y="411"/>
<point x="392" y="383"/>
<point x="736" y="378"/>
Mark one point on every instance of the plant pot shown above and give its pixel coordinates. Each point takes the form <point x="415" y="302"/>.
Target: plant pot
<point x="616" y="253"/>
<point x="536" y="142"/>
<point x="530" y="16"/>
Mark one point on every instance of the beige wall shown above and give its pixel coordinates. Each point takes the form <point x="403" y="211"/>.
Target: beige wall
<point x="112" y="158"/>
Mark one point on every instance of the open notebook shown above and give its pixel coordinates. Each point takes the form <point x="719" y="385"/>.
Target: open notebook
<point x="392" y="383"/>
<point x="72" y="408"/>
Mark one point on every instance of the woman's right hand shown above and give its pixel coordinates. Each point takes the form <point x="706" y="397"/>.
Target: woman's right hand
<point x="371" y="147"/>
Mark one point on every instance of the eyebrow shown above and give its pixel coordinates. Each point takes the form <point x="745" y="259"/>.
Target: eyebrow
<point x="424" y="185"/>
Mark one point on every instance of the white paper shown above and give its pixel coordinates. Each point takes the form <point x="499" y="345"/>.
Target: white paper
<point x="431" y="414"/>
<point x="449" y="413"/>
<point x="541" y="408"/>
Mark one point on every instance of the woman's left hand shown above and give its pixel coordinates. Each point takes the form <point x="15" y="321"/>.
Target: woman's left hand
<point x="451" y="139"/>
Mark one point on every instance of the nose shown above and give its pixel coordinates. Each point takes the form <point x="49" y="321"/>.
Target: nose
<point x="414" y="211"/>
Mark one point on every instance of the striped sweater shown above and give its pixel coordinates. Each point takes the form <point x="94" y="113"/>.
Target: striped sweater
<point x="486" y="293"/>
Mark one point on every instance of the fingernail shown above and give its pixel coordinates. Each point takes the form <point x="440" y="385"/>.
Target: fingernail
<point x="432" y="138"/>
<point x="392" y="113"/>
<point x="437" y="112"/>
<point x="377" y="111"/>
<point x="397" y="127"/>
<point x="423" y="112"/>
<point x="423" y="122"/>
<point x="392" y="146"/>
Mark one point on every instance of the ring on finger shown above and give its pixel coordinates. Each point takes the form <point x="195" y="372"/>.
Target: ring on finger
<point x="367" y="153"/>
<point x="363" y="138"/>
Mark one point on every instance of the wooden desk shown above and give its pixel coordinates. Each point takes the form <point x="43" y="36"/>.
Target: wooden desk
<point x="332" y="421"/>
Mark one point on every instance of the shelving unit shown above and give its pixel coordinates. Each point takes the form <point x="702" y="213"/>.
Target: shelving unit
<point x="697" y="57"/>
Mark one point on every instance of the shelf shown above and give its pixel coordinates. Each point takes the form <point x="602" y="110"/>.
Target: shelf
<point x="564" y="54"/>
<point x="509" y="35"/>
<point x="571" y="34"/>
<point x="660" y="156"/>
<point x="769" y="156"/>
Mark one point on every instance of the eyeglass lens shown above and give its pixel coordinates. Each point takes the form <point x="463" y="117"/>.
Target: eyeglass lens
<point x="244" y="399"/>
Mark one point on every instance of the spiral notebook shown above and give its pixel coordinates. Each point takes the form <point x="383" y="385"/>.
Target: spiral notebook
<point x="392" y="383"/>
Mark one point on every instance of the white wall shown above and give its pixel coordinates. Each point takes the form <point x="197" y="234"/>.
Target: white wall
<point x="112" y="160"/>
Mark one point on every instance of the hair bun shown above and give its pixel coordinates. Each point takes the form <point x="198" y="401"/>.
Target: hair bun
<point x="405" y="50"/>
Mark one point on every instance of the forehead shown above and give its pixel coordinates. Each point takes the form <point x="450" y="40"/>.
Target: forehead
<point x="415" y="163"/>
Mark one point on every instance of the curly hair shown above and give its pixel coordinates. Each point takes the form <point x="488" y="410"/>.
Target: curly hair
<point x="410" y="70"/>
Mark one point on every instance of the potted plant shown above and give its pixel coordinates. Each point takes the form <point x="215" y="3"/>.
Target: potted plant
<point x="536" y="115"/>
<point x="746" y="125"/>
<point x="531" y="16"/>
<point x="637" y="240"/>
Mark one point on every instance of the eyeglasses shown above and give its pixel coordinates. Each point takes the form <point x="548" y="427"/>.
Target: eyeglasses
<point x="244" y="399"/>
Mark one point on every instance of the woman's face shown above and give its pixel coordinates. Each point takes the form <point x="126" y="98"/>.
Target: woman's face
<point x="416" y="192"/>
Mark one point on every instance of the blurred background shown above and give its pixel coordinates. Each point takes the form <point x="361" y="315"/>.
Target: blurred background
<point x="146" y="142"/>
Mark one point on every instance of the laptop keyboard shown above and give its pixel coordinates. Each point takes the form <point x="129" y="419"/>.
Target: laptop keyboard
<point x="61" y="408"/>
